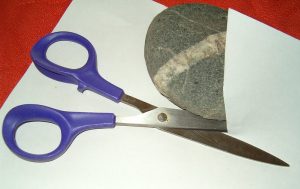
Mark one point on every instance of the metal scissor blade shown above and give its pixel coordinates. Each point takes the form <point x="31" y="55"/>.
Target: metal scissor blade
<point x="172" y="118"/>
<point x="229" y="144"/>
<point x="212" y="138"/>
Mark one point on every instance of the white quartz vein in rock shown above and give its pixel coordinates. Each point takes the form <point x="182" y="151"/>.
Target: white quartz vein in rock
<point x="210" y="46"/>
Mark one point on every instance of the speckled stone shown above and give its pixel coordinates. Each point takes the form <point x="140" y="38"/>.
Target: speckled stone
<point x="184" y="53"/>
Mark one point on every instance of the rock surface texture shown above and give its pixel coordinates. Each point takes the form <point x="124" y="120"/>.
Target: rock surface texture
<point x="184" y="53"/>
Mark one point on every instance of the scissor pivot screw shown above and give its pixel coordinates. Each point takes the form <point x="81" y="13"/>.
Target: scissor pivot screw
<point x="162" y="117"/>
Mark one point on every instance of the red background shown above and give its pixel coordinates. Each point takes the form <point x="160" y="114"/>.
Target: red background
<point x="22" y="23"/>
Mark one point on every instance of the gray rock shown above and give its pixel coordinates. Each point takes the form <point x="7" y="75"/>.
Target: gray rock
<point x="184" y="52"/>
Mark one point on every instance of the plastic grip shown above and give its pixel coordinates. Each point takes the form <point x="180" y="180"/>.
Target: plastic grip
<point x="70" y="123"/>
<point x="86" y="77"/>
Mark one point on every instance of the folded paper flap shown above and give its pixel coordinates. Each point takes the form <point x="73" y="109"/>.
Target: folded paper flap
<point x="261" y="85"/>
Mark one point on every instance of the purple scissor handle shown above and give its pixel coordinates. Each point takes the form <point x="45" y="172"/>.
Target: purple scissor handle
<point x="86" y="77"/>
<point x="70" y="123"/>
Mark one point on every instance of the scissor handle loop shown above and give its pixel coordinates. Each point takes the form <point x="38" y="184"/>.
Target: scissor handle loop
<point x="39" y="54"/>
<point x="86" y="77"/>
<point x="70" y="123"/>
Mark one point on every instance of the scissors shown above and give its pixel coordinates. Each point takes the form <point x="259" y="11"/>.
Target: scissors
<point x="71" y="124"/>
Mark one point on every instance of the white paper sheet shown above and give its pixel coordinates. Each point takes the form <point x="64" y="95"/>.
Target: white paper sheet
<point x="261" y="102"/>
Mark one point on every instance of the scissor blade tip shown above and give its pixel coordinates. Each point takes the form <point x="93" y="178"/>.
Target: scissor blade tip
<point x="280" y="162"/>
<point x="285" y="164"/>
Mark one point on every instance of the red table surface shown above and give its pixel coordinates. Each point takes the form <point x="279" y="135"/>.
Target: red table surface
<point x="22" y="23"/>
